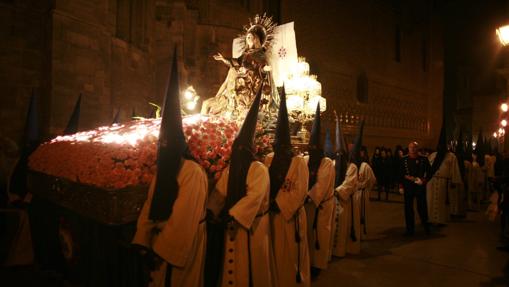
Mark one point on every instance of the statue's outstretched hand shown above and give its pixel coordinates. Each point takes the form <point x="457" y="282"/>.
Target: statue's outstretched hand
<point x="219" y="57"/>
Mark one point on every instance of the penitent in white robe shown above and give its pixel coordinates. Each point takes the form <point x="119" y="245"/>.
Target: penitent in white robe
<point x="322" y="199"/>
<point x="291" y="254"/>
<point x="342" y="242"/>
<point x="251" y="227"/>
<point x="367" y="181"/>
<point x="489" y="171"/>
<point x="490" y="161"/>
<point x="181" y="240"/>
<point x="468" y="182"/>
<point x="458" y="200"/>
<point x="459" y="197"/>
<point x="476" y="185"/>
<point x="442" y="188"/>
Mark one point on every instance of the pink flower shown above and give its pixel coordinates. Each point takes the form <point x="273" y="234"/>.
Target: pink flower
<point x="114" y="166"/>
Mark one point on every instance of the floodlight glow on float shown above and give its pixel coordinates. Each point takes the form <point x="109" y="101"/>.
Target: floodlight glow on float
<point x="313" y="102"/>
<point x="501" y="131"/>
<point x="190" y="99"/>
<point x="295" y="103"/>
<point x="132" y="135"/>
<point x="504" y="107"/>
<point x="503" y="123"/>
<point x="303" y="93"/>
<point x="190" y="106"/>
<point x="503" y="35"/>
<point x="188" y="95"/>
<point x="301" y="67"/>
<point x="495" y="135"/>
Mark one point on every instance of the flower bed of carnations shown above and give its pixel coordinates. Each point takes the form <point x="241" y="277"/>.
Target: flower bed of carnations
<point x="119" y="156"/>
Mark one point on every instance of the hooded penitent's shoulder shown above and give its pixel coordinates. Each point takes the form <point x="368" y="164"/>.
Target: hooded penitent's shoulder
<point x="193" y="166"/>
<point x="257" y="165"/>
<point x="326" y="160"/>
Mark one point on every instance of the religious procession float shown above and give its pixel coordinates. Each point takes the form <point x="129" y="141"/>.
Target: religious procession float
<point x="104" y="174"/>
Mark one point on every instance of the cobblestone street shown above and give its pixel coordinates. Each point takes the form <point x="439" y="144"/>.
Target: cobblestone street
<point x="463" y="253"/>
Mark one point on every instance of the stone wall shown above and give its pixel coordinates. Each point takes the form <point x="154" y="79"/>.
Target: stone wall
<point x="117" y="53"/>
<point x="24" y="30"/>
<point x="354" y="37"/>
<point x="80" y="63"/>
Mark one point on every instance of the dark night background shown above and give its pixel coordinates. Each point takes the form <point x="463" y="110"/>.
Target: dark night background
<point x="419" y="64"/>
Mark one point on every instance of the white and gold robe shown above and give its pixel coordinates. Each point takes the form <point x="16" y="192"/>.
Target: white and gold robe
<point x="181" y="240"/>
<point x="322" y="197"/>
<point x="291" y="256"/>
<point x="490" y="161"/>
<point x="489" y="168"/>
<point x="251" y="227"/>
<point x="367" y="181"/>
<point x="477" y="178"/>
<point x="468" y="182"/>
<point x="443" y="187"/>
<point x="343" y="242"/>
<point x="459" y="199"/>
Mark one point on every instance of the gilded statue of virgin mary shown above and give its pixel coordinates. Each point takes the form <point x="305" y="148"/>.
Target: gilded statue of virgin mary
<point x="247" y="74"/>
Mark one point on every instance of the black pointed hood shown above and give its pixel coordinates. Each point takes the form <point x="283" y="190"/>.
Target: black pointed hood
<point x="282" y="138"/>
<point x="32" y="132"/>
<point x="355" y="158"/>
<point x="441" y="151"/>
<point x="282" y="149"/>
<point x="469" y="148"/>
<point x="341" y="154"/>
<point x="171" y="148"/>
<point x="133" y="113"/>
<point x="479" y="148"/>
<point x="73" y="124"/>
<point x="314" y="148"/>
<point x="495" y="147"/>
<point x="328" y="148"/>
<point x="442" y="140"/>
<point x="460" y="146"/>
<point x="29" y="142"/>
<point x="460" y="153"/>
<point x="245" y="136"/>
<point x="488" y="145"/>
<point x="355" y="153"/>
<point x="243" y="154"/>
<point x="341" y="145"/>
<point x="116" y="118"/>
<point x="314" y="139"/>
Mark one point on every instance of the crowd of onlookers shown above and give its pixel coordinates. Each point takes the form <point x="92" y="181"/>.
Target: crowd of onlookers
<point x="485" y="175"/>
<point x="386" y="166"/>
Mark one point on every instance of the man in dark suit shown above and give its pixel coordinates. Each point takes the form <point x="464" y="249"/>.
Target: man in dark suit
<point x="414" y="174"/>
